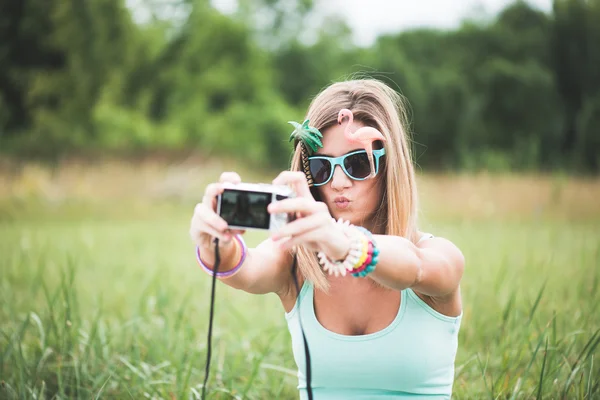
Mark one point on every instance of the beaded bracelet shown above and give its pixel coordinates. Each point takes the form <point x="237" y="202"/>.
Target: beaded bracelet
<point x="231" y="271"/>
<point x="370" y="262"/>
<point x="361" y="258"/>
<point x="350" y="262"/>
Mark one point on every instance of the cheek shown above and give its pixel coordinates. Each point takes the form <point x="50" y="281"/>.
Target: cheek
<point x="371" y="193"/>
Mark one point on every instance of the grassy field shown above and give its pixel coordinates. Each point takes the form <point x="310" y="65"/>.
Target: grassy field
<point x="101" y="297"/>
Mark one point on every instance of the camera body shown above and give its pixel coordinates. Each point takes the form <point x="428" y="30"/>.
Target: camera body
<point x="244" y="205"/>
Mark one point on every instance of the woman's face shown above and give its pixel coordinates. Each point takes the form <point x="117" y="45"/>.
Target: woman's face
<point x="356" y="201"/>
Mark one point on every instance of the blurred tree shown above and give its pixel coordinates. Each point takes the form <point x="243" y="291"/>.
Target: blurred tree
<point x="302" y="70"/>
<point x="517" y="110"/>
<point x="575" y="39"/>
<point x="215" y="84"/>
<point x="417" y="65"/>
<point x="523" y="31"/>
<point x="57" y="59"/>
<point x="275" y="22"/>
<point x="24" y="49"/>
<point x="517" y="89"/>
<point x="589" y="124"/>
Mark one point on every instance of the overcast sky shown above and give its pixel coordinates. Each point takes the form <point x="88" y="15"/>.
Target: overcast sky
<point x="369" y="18"/>
<point x="381" y="16"/>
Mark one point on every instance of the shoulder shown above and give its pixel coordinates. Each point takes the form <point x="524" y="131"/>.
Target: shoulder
<point x="445" y="252"/>
<point x="442" y="248"/>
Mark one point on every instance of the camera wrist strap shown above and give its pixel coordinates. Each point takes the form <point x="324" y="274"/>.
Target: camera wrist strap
<point x="210" y="324"/>
<point x="210" y="317"/>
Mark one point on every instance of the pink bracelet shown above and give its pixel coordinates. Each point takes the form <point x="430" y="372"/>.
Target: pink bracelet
<point x="230" y="272"/>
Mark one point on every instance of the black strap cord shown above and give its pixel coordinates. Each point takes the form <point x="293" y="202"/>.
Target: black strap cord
<point x="211" y="315"/>
<point x="210" y="324"/>
<point x="306" y="352"/>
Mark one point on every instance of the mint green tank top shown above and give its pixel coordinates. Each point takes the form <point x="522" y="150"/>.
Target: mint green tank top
<point x="412" y="358"/>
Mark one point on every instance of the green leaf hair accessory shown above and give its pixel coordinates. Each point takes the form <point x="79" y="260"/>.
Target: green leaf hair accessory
<point x="308" y="135"/>
<point x="309" y="139"/>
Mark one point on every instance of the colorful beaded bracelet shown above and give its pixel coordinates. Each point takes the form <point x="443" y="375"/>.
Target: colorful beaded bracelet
<point x="225" y="274"/>
<point x="371" y="262"/>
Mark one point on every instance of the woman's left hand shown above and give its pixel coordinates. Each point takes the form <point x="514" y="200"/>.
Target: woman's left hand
<point x="313" y="227"/>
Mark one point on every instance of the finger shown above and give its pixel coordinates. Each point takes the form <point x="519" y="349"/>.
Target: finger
<point x="297" y="204"/>
<point x="211" y="193"/>
<point x="203" y="214"/>
<point x="295" y="179"/>
<point x="230" y="177"/>
<point x="204" y="229"/>
<point x="301" y="226"/>
<point x="236" y="231"/>
<point x="303" y="239"/>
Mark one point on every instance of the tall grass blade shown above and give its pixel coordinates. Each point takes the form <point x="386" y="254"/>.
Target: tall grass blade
<point x="536" y="303"/>
<point x="483" y="369"/>
<point x="508" y="309"/>
<point x="40" y="327"/>
<point x="526" y="373"/>
<point x="541" y="384"/>
<point x="258" y="362"/>
<point x="588" y="392"/>
<point x="102" y="387"/>
<point x="588" y="348"/>
<point x="569" y="381"/>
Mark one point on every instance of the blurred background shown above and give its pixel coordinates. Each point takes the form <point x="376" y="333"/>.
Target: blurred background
<point x="491" y="84"/>
<point x="115" y="114"/>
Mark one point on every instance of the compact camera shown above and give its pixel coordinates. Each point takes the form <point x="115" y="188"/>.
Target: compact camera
<point x="244" y="205"/>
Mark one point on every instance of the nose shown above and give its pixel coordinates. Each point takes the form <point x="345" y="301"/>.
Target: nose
<point x="339" y="180"/>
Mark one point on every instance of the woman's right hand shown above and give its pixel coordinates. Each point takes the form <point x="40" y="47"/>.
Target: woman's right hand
<point x="206" y="225"/>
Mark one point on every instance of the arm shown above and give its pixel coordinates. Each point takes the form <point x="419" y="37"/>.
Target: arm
<point x="266" y="268"/>
<point x="433" y="267"/>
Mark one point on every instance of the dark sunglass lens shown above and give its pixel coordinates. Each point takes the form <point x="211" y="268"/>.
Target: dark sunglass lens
<point x="320" y="170"/>
<point x="357" y="165"/>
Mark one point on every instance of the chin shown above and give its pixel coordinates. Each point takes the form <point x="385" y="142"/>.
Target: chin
<point x="337" y="214"/>
<point x="346" y="216"/>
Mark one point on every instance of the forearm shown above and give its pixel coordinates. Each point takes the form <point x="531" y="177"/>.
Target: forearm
<point x="260" y="272"/>
<point x="403" y="265"/>
<point x="229" y="256"/>
<point x="251" y="277"/>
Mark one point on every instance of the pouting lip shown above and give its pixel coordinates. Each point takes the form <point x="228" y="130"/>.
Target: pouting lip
<point x="341" y="199"/>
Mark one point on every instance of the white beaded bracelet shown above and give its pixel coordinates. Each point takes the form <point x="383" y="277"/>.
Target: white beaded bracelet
<point x="338" y="268"/>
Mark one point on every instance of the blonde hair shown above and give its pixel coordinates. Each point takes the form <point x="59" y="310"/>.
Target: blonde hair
<point x="377" y="105"/>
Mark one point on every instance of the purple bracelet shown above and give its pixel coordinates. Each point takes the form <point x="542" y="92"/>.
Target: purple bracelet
<point x="230" y="272"/>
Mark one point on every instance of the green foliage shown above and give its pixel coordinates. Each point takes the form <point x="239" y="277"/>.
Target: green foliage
<point x="75" y="75"/>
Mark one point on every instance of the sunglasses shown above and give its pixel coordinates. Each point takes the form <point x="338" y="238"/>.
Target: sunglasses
<point x="355" y="165"/>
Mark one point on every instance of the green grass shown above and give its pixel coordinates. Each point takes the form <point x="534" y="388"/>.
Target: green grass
<point x="113" y="305"/>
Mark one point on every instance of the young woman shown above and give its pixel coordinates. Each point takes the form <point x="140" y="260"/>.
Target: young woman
<point x="389" y="331"/>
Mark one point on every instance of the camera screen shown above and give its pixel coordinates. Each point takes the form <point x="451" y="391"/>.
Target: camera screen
<point x="248" y="209"/>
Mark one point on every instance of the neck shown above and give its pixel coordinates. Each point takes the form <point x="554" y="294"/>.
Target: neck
<point x="376" y="226"/>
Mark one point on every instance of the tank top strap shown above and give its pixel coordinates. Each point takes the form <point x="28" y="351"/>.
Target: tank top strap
<point x="425" y="236"/>
<point x="305" y="296"/>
